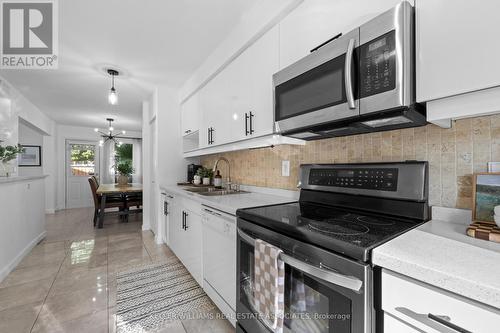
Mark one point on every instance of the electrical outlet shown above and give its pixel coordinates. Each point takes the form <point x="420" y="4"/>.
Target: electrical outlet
<point x="285" y="168"/>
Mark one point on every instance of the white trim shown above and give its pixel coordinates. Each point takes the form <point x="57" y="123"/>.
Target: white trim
<point x="50" y="211"/>
<point x="10" y="267"/>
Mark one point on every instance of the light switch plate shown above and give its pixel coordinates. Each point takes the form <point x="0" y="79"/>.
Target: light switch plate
<point x="285" y="168"/>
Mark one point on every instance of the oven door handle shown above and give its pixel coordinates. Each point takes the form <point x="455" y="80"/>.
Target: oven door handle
<point x="332" y="277"/>
<point x="348" y="76"/>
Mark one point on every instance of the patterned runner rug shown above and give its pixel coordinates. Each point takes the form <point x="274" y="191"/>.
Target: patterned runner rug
<point x="155" y="294"/>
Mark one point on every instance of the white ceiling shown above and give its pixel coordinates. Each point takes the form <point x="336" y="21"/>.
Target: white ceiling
<point x="154" y="41"/>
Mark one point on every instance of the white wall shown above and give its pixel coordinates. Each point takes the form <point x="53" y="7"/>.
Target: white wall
<point x="162" y="108"/>
<point x="31" y="136"/>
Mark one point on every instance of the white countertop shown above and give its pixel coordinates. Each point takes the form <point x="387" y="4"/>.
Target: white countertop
<point x="258" y="196"/>
<point x="15" y="179"/>
<point x="441" y="254"/>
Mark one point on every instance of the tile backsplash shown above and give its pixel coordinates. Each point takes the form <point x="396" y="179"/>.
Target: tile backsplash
<point x="454" y="155"/>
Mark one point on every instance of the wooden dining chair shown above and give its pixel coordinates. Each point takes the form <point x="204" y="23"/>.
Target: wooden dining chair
<point x="132" y="200"/>
<point x="111" y="202"/>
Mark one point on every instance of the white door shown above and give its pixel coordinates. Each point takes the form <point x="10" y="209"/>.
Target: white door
<point x="154" y="188"/>
<point x="82" y="161"/>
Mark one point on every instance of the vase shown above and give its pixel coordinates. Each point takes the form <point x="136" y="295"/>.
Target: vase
<point x="4" y="169"/>
<point x="122" y="180"/>
<point x="206" y="180"/>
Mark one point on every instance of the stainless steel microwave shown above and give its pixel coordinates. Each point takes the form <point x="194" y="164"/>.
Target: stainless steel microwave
<point x="363" y="81"/>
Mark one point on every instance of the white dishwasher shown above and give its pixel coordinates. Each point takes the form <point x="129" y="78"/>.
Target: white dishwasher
<point x="219" y="259"/>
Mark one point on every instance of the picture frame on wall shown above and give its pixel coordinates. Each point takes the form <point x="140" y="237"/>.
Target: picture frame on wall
<point x="485" y="195"/>
<point x="31" y="157"/>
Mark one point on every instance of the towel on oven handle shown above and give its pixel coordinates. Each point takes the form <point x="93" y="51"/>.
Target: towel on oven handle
<point x="269" y="285"/>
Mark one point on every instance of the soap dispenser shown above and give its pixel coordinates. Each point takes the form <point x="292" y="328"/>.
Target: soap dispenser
<point x="218" y="180"/>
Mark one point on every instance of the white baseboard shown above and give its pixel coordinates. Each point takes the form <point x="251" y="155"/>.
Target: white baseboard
<point x="10" y="267"/>
<point x="50" y="211"/>
<point x="158" y="239"/>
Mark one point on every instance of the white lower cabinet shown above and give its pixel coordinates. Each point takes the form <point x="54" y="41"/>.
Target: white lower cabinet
<point x="204" y="239"/>
<point x="413" y="306"/>
<point x="192" y="249"/>
<point x="392" y="324"/>
<point x="219" y="264"/>
<point x="185" y="235"/>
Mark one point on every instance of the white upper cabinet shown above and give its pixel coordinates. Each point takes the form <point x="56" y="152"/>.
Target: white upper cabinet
<point x="190" y="115"/>
<point x="265" y="53"/>
<point x="238" y="102"/>
<point x="457" y="47"/>
<point x="315" y="21"/>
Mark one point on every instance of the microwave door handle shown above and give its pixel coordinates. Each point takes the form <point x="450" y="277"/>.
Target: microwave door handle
<point x="332" y="277"/>
<point x="348" y="75"/>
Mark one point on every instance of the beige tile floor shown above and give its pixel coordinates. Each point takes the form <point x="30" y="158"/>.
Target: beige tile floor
<point x="67" y="282"/>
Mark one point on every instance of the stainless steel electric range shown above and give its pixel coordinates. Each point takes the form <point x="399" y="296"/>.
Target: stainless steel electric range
<point x="344" y="211"/>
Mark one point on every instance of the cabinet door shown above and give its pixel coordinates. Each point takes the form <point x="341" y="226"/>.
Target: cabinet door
<point x="212" y="107"/>
<point x="392" y="324"/>
<point x="421" y="302"/>
<point x="247" y="82"/>
<point x="190" y="114"/>
<point x="457" y="47"/>
<point x="315" y="21"/>
<point x="175" y="227"/>
<point x="265" y="52"/>
<point x="192" y="245"/>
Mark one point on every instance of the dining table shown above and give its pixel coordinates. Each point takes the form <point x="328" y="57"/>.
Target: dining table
<point x="105" y="190"/>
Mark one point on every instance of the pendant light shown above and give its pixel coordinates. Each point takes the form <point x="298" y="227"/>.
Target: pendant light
<point x="110" y="135"/>
<point x="113" y="96"/>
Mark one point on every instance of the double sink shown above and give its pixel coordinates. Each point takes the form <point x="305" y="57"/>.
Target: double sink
<point x="212" y="191"/>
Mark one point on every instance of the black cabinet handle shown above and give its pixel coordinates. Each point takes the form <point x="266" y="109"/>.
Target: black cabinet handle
<point x="211" y="135"/>
<point x="185" y="221"/>
<point x="251" y="122"/>
<point x="208" y="136"/>
<point x="246" y="123"/>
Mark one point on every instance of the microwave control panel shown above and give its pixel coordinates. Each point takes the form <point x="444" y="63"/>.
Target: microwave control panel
<point x="382" y="179"/>
<point x="377" y="62"/>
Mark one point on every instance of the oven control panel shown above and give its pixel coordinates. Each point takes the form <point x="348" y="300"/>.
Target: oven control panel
<point x="382" y="179"/>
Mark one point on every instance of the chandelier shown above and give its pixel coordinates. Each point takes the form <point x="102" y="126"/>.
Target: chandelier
<point x="110" y="134"/>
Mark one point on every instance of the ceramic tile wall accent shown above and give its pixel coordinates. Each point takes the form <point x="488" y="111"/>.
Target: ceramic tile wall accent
<point x="453" y="154"/>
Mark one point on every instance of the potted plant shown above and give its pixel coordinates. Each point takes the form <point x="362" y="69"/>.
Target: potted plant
<point x="206" y="174"/>
<point x="7" y="154"/>
<point x="125" y="169"/>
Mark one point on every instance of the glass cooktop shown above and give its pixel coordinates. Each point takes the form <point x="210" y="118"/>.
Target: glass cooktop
<point x="348" y="232"/>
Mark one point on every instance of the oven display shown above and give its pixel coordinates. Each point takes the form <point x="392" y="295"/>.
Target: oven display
<point x="383" y="179"/>
<point x="378" y="65"/>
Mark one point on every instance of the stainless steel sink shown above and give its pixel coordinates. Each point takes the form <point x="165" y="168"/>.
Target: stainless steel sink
<point x="199" y="189"/>
<point x="211" y="191"/>
<point x="221" y="192"/>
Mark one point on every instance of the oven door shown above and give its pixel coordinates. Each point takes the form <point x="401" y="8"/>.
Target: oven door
<point x="319" y="88"/>
<point x="324" y="293"/>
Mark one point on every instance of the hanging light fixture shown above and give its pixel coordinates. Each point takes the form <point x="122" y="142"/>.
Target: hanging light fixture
<point x="110" y="134"/>
<point x="113" y="96"/>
